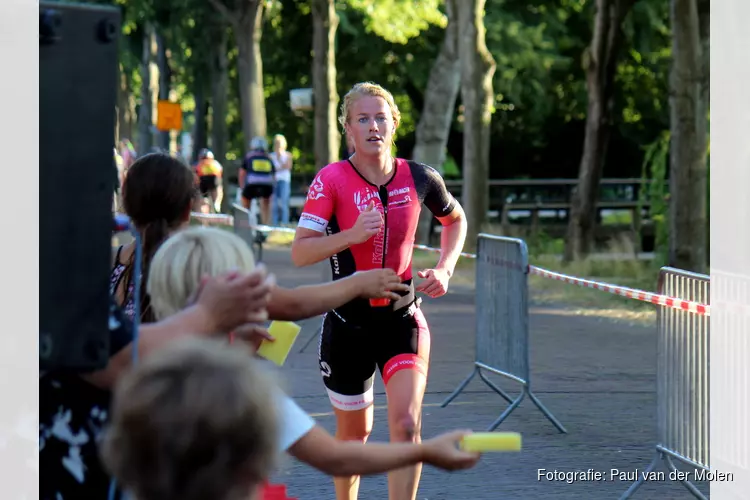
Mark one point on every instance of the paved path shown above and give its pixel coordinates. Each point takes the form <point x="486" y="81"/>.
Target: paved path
<point x="596" y="376"/>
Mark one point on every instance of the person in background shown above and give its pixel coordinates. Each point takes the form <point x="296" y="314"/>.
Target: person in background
<point x="128" y="154"/>
<point x="157" y="195"/>
<point x="282" y="160"/>
<point x="119" y="171"/>
<point x="256" y="178"/>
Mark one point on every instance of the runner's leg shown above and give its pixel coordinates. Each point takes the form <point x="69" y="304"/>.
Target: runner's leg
<point x="348" y="373"/>
<point x="405" y="379"/>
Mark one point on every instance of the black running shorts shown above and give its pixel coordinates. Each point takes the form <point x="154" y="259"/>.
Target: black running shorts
<point x="348" y="354"/>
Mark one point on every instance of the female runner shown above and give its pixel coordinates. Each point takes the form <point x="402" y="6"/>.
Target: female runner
<point x="362" y="213"/>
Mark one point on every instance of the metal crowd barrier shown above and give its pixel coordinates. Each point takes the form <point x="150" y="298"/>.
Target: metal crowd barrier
<point x="502" y="331"/>
<point x="682" y="371"/>
<point x="730" y="380"/>
<point x="244" y="224"/>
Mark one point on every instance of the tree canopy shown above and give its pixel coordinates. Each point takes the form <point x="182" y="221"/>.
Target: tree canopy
<point x="539" y="85"/>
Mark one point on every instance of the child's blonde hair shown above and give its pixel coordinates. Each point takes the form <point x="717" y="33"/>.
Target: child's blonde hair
<point x="178" y="266"/>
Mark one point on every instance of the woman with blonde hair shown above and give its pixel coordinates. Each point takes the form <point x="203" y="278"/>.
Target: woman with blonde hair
<point x="362" y="213"/>
<point x="176" y="274"/>
<point x="282" y="160"/>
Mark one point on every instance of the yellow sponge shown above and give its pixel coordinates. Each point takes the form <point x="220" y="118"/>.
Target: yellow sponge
<point x="492" y="441"/>
<point x="285" y="334"/>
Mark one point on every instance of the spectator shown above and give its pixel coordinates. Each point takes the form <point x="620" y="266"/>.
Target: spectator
<point x="195" y="398"/>
<point x="282" y="160"/>
<point x="74" y="407"/>
<point x="175" y="275"/>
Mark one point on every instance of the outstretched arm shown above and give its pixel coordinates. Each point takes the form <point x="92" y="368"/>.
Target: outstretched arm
<point x="347" y="458"/>
<point x="305" y="302"/>
<point x="224" y="303"/>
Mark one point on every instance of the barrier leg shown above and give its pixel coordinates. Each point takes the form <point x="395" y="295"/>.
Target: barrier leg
<point x="259" y="251"/>
<point x="494" y="387"/>
<point x="641" y="480"/>
<point x="460" y="388"/>
<point x="687" y="484"/>
<point x="507" y="412"/>
<point x="546" y="412"/>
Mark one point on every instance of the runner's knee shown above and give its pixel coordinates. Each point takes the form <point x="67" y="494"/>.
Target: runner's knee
<point x="407" y="427"/>
<point x="353" y="426"/>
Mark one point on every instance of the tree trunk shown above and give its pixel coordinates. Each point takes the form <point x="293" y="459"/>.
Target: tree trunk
<point x="145" y="111"/>
<point x="219" y="96"/>
<point x="688" y="122"/>
<point x="477" y="70"/>
<point x="162" y="65"/>
<point x="439" y="105"/>
<point x="248" y="31"/>
<point x="600" y="60"/>
<point x="200" y="130"/>
<point x="327" y="138"/>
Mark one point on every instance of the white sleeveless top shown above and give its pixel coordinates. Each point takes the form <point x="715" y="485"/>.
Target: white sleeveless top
<point x="281" y="175"/>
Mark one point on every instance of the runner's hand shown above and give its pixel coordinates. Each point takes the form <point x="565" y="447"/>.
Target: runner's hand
<point x="368" y="224"/>
<point x="443" y="452"/>
<point x="380" y="283"/>
<point x="435" y="282"/>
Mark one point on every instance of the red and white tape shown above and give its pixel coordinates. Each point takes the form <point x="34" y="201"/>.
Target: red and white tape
<point x="437" y="250"/>
<point x="629" y="293"/>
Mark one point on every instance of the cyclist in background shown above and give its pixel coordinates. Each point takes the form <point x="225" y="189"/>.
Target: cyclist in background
<point x="209" y="172"/>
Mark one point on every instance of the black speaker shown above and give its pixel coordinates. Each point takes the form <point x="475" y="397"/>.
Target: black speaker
<point x="78" y="73"/>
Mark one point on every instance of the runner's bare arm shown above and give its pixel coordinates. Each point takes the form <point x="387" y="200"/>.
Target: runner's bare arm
<point x="452" y="239"/>
<point x="311" y="246"/>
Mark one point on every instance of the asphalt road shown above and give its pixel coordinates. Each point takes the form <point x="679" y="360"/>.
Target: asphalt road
<point x="595" y="375"/>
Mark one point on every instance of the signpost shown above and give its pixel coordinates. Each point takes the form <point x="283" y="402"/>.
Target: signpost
<point x="168" y="116"/>
<point x="301" y="100"/>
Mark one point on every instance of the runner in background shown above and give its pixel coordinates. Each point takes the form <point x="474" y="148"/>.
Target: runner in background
<point x="363" y="213"/>
<point x="256" y="178"/>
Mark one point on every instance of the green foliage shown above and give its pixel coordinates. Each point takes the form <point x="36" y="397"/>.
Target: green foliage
<point x="654" y="172"/>
<point x="398" y="21"/>
<point x="540" y="88"/>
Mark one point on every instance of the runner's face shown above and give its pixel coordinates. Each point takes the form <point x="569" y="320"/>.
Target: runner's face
<point x="371" y="125"/>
